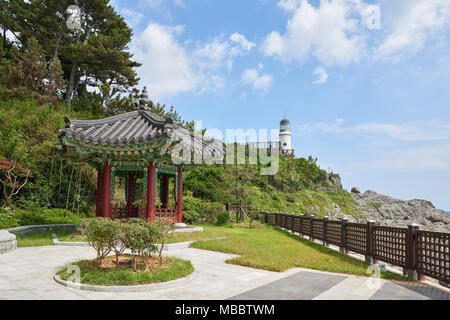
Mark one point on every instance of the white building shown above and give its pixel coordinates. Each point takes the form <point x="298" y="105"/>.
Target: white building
<point x="285" y="137"/>
<point x="284" y="143"/>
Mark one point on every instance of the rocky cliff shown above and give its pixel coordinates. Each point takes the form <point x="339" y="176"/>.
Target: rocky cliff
<point x="389" y="211"/>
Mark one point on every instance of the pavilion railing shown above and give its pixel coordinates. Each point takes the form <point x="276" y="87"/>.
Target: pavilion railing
<point x="166" y="213"/>
<point x="420" y="253"/>
<point x="122" y="213"/>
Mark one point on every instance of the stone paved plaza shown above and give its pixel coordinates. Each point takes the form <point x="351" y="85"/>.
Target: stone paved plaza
<point x="27" y="273"/>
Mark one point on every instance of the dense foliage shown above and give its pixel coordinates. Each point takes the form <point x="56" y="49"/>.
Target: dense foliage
<point x="138" y="235"/>
<point x="299" y="186"/>
<point x="45" y="72"/>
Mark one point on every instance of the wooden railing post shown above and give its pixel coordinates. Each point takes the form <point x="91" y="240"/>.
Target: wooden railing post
<point x="292" y="222"/>
<point x="325" y="227"/>
<point x="411" y="251"/>
<point x="294" y="217"/>
<point x="344" y="235"/>
<point x="301" y="224"/>
<point x="311" y="237"/>
<point x="369" y="242"/>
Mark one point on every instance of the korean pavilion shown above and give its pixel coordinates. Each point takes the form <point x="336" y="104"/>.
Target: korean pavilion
<point x="137" y="146"/>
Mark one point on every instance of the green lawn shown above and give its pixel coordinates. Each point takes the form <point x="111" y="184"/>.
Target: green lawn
<point x="271" y="249"/>
<point x="41" y="238"/>
<point x="208" y="233"/>
<point x="175" y="268"/>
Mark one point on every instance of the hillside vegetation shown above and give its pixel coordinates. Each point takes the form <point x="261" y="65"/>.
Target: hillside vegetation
<point x="300" y="186"/>
<point x="29" y="133"/>
<point x="45" y="74"/>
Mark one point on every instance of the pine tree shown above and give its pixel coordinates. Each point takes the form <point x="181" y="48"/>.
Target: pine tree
<point x="56" y="82"/>
<point x="94" y="55"/>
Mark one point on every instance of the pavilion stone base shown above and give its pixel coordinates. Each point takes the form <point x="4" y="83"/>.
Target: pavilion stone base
<point x="8" y="241"/>
<point x="182" y="227"/>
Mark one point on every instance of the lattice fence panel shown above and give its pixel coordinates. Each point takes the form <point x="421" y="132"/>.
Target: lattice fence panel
<point x="317" y="229"/>
<point x="356" y="237"/>
<point x="289" y="221"/>
<point x="283" y="220"/>
<point x="334" y="233"/>
<point x="306" y="230"/>
<point x="433" y="256"/>
<point x="296" y="224"/>
<point x="272" y="219"/>
<point x="389" y="245"/>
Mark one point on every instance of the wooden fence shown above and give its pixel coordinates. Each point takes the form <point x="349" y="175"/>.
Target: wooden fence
<point x="418" y="252"/>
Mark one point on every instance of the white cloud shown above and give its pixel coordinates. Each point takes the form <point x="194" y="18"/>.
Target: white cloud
<point x="426" y="158"/>
<point x="411" y="24"/>
<point x="171" y="67"/>
<point x="244" y="44"/>
<point x="10" y="36"/>
<point x="219" y="52"/>
<point x="419" y="147"/>
<point x="259" y="80"/>
<point x="166" y="69"/>
<point x="423" y="132"/>
<point x="132" y="18"/>
<point x="322" y="75"/>
<point x="330" y="33"/>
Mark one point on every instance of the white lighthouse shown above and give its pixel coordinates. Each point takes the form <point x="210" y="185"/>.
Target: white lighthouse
<point x="285" y="137"/>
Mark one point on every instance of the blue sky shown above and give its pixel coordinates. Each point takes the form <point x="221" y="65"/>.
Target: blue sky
<point x="371" y="101"/>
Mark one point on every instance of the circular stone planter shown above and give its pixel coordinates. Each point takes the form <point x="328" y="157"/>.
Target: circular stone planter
<point x="136" y="288"/>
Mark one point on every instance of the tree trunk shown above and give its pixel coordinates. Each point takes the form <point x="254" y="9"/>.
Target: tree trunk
<point x="68" y="190"/>
<point x="57" y="44"/>
<point x="4" y="37"/>
<point x="71" y="85"/>
<point x="161" y="250"/>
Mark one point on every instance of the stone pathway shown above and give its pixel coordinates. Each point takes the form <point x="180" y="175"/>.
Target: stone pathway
<point x="26" y="273"/>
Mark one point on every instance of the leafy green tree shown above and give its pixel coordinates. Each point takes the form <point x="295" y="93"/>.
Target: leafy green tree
<point x="95" y="54"/>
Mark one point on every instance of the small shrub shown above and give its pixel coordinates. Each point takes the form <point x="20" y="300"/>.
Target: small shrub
<point x="8" y="218"/>
<point x="210" y="211"/>
<point x="101" y="236"/>
<point x="191" y="217"/>
<point x="162" y="227"/>
<point x="46" y="216"/>
<point x="138" y="235"/>
<point x="222" y="218"/>
<point x="141" y="239"/>
<point x="196" y="210"/>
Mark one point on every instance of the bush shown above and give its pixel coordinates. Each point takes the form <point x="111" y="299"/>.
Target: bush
<point x="210" y="211"/>
<point x="222" y="218"/>
<point x="15" y="217"/>
<point x="8" y="218"/>
<point x="101" y="236"/>
<point x="191" y="217"/>
<point x="140" y="236"/>
<point x="196" y="210"/>
<point x="47" y="216"/>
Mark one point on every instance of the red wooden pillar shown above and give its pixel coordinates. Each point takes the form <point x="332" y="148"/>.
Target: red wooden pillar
<point x="98" y="209"/>
<point x="165" y="191"/>
<point x="130" y="195"/>
<point x="106" y="192"/>
<point x="180" y="196"/>
<point x="151" y="177"/>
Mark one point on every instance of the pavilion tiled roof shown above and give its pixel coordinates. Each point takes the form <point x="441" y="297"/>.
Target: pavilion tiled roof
<point x="137" y="127"/>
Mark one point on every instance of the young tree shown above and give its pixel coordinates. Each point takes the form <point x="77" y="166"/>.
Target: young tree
<point x="13" y="177"/>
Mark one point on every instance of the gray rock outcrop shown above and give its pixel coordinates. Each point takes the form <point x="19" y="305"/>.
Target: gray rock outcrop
<point x="355" y="190"/>
<point x="335" y="180"/>
<point x="389" y="211"/>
